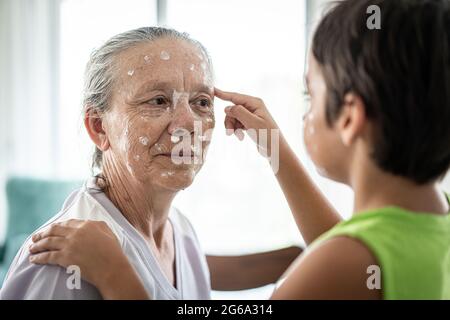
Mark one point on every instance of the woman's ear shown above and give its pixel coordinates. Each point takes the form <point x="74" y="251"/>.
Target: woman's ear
<point x="93" y="122"/>
<point x="352" y="118"/>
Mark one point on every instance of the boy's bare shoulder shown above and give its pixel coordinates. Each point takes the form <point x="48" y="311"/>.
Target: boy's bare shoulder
<point x="337" y="269"/>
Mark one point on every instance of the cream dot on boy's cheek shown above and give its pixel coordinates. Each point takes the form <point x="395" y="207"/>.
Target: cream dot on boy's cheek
<point x="147" y="59"/>
<point x="130" y="72"/>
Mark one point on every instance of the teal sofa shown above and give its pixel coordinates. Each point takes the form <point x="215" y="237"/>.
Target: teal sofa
<point x="30" y="203"/>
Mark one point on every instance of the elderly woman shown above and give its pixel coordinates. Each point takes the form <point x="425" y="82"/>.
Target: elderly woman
<point x="149" y="110"/>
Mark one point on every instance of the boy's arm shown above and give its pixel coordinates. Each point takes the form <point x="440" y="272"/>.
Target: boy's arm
<point x="336" y="269"/>
<point x="230" y="273"/>
<point x="312" y="212"/>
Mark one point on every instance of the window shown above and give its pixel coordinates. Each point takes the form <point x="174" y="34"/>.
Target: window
<point x="85" y="25"/>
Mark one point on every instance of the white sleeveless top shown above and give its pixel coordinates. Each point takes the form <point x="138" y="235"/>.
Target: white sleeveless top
<point x="29" y="281"/>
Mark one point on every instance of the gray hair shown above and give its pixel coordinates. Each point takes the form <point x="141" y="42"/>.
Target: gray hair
<point x="100" y="70"/>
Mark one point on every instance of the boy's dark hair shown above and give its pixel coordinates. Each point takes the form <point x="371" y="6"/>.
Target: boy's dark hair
<point x="401" y="72"/>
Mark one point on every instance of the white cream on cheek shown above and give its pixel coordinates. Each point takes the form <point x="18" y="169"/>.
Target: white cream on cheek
<point x="143" y="140"/>
<point x="124" y="144"/>
<point x="311" y="130"/>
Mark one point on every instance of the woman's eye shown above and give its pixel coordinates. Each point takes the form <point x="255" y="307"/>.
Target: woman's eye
<point x="203" y="103"/>
<point x="159" y="101"/>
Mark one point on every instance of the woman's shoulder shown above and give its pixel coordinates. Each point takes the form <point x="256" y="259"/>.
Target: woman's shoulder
<point x="81" y="205"/>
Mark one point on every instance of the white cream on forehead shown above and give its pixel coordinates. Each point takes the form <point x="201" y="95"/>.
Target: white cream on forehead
<point x="164" y="55"/>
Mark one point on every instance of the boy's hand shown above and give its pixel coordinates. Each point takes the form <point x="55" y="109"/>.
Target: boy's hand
<point x="248" y="113"/>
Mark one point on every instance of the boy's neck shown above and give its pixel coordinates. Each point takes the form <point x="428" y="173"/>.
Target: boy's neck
<point x="375" y="188"/>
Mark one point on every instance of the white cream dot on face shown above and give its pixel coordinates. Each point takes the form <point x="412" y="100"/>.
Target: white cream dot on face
<point x="130" y="72"/>
<point x="176" y="95"/>
<point x="192" y="67"/>
<point x="209" y="120"/>
<point x="159" y="147"/>
<point x="143" y="140"/>
<point x="130" y="170"/>
<point x="174" y="139"/>
<point x="146" y="59"/>
<point x="164" y="55"/>
<point x="137" y="157"/>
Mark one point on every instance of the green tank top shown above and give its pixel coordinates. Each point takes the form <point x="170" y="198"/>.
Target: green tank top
<point x="412" y="250"/>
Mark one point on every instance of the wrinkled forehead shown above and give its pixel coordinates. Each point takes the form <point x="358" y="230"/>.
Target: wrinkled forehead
<point x="172" y="61"/>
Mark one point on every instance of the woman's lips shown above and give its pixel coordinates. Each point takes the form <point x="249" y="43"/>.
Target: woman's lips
<point x="181" y="156"/>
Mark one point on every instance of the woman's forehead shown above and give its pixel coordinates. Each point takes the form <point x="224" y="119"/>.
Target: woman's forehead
<point x="163" y="59"/>
<point x="162" y="52"/>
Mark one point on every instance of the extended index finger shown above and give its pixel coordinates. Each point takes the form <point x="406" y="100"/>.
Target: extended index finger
<point x="237" y="98"/>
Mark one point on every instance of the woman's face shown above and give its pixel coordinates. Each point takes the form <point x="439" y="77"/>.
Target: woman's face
<point x="161" y="114"/>
<point x="322" y="142"/>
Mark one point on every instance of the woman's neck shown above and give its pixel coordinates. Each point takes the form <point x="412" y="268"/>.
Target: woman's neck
<point x="146" y="207"/>
<point x="375" y="188"/>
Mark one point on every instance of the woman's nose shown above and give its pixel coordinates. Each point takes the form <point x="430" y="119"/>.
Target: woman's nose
<point x="183" y="117"/>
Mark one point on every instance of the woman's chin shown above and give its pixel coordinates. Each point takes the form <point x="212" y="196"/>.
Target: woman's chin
<point x="175" y="180"/>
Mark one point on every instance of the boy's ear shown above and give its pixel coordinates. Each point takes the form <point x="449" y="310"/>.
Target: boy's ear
<point x="93" y="122"/>
<point x="352" y="118"/>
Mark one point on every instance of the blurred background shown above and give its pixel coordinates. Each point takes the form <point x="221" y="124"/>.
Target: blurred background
<point x="258" y="47"/>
